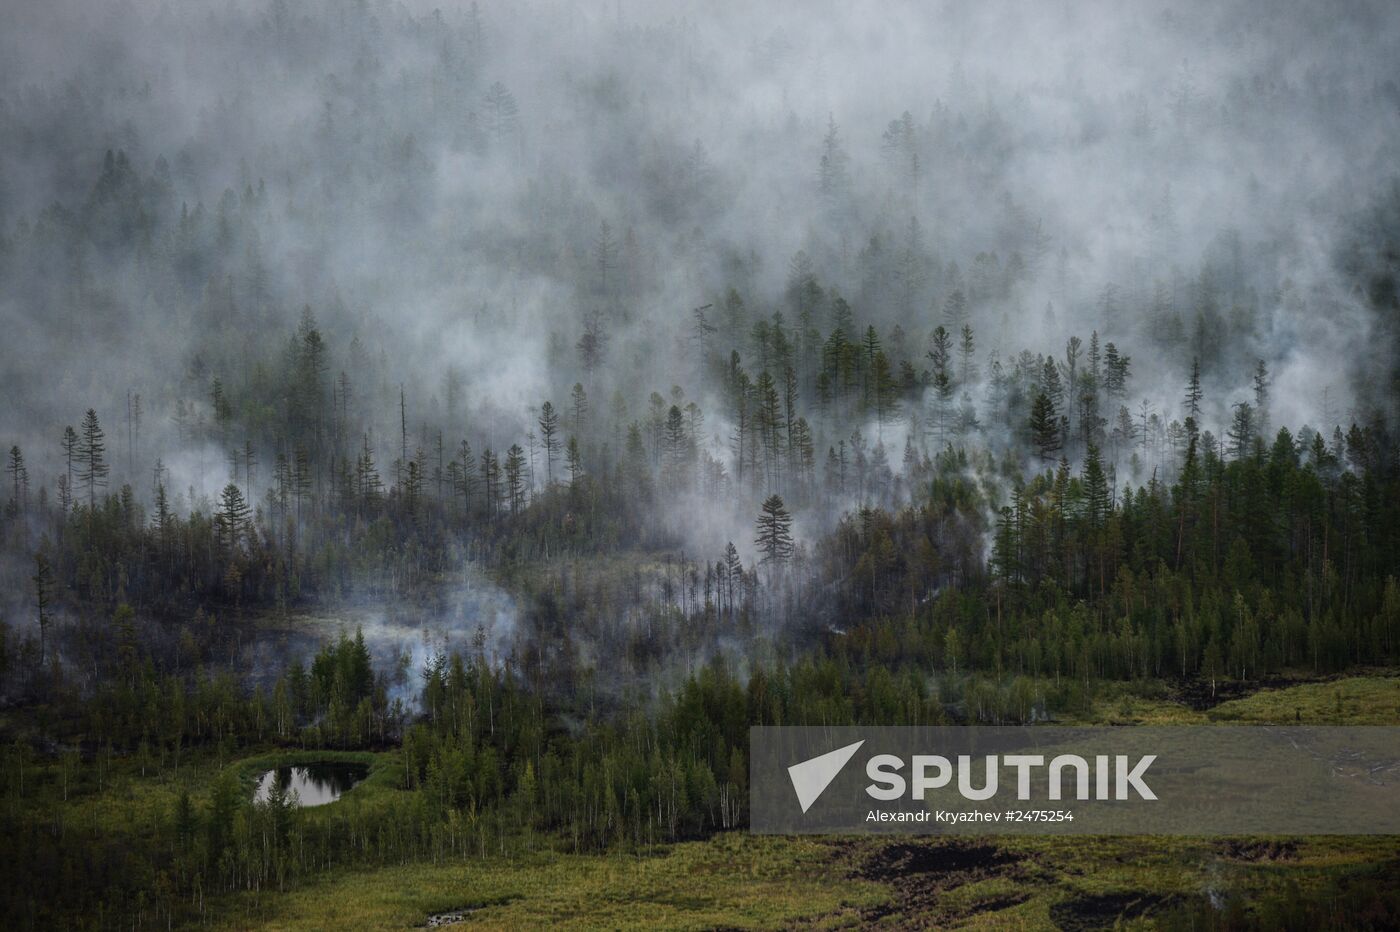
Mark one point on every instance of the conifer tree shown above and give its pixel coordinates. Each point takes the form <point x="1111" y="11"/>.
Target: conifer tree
<point x="232" y="520"/>
<point x="549" y="429"/>
<point x="579" y="402"/>
<point x="574" y="459"/>
<point x="1096" y="496"/>
<point x="490" y="481"/>
<point x="1193" y="391"/>
<point x="70" y="452"/>
<point x="515" y="483"/>
<point x="1045" y="427"/>
<point x="1261" y="398"/>
<point x="775" y="531"/>
<point x="19" y="480"/>
<point x="92" y="457"/>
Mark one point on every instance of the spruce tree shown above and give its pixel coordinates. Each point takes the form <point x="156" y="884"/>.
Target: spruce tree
<point x="515" y="482"/>
<point x="232" y="520"/>
<point x="775" y="531"/>
<point x="1045" y="428"/>
<point x="549" y="430"/>
<point x="92" y="457"/>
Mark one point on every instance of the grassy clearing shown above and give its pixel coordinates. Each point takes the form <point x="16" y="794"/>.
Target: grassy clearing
<point x="1352" y="700"/>
<point x="1356" y="700"/>
<point x="734" y="881"/>
<point x="746" y="882"/>
<point x="117" y="798"/>
<point x="742" y="881"/>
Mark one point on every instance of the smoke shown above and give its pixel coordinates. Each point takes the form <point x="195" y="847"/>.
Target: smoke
<point x="434" y="185"/>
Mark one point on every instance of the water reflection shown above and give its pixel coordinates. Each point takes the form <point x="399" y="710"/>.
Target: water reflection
<point x="314" y="784"/>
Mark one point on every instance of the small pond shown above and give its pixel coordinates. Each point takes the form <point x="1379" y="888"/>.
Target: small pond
<point x="314" y="784"/>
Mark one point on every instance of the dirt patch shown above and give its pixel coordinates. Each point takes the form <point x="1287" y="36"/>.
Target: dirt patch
<point x="920" y="874"/>
<point x="1260" y="850"/>
<point x="1106" y="910"/>
<point x="949" y="858"/>
<point x="1197" y="694"/>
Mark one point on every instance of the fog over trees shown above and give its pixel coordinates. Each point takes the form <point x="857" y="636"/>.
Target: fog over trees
<point x="802" y="361"/>
<point x="282" y="280"/>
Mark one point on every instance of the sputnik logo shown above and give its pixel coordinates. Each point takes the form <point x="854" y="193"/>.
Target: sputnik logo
<point x="811" y="777"/>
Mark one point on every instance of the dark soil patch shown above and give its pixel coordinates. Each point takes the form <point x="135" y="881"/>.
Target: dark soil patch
<point x="920" y="873"/>
<point x="1197" y="693"/>
<point x="893" y="862"/>
<point x="1260" y="850"/>
<point x="1102" y="912"/>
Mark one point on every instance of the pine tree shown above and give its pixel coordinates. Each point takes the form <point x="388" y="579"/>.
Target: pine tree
<point x="501" y="111"/>
<point x="250" y="461"/>
<point x="592" y="344"/>
<point x="549" y="428"/>
<point x="1005" y="544"/>
<point x="870" y="347"/>
<point x="1096" y="497"/>
<point x="490" y="481"/>
<point x="967" y="347"/>
<point x="301" y="477"/>
<point x="1193" y="391"/>
<point x="92" y="462"/>
<point x="232" y="520"/>
<point x="368" y="487"/>
<point x="575" y="462"/>
<point x="465" y="477"/>
<point x="19" y="480"/>
<point x="1241" y="433"/>
<point x="1050" y="383"/>
<point x="638" y="477"/>
<point x="1073" y="347"/>
<point x="955" y="309"/>
<point x="1045" y="427"/>
<point x="163" y="520"/>
<point x="70" y="453"/>
<point x="801" y="453"/>
<point x="413" y="488"/>
<point x="768" y="424"/>
<point x="1143" y="429"/>
<point x="515" y="484"/>
<point x="832" y="179"/>
<point x="1116" y="369"/>
<point x="942" y="383"/>
<point x="731" y="572"/>
<point x="775" y="531"/>
<point x="223" y="410"/>
<point x="1261" y="398"/>
<point x="674" y="450"/>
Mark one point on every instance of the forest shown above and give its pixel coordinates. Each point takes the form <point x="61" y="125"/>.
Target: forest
<point x="519" y="404"/>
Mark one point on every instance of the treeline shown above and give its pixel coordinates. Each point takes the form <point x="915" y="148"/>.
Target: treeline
<point x="488" y="767"/>
<point x="1281" y="559"/>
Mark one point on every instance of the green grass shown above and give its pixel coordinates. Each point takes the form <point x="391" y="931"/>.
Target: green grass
<point x="1351" y="700"/>
<point x="747" y="882"/>
<point x="1356" y="700"/>
<point x="732" y="881"/>
<point x="751" y="882"/>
